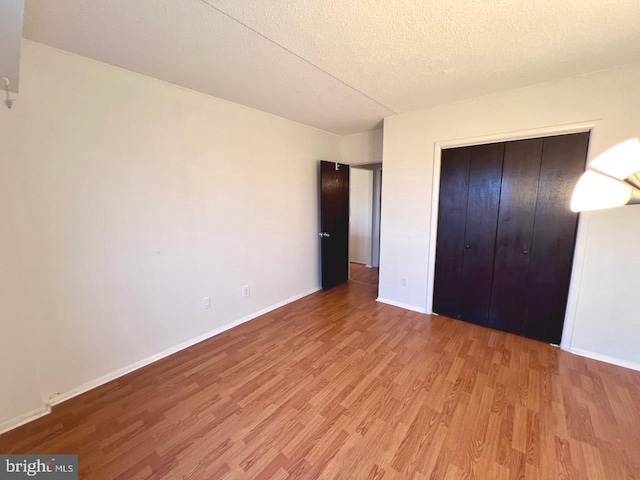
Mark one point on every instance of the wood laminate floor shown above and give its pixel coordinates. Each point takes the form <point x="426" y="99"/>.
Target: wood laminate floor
<point x="337" y="385"/>
<point x="363" y="274"/>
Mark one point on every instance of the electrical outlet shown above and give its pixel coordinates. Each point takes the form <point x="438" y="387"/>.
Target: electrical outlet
<point x="206" y="302"/>
<point x="246" y="291"/>
<point x="404" y="282"/>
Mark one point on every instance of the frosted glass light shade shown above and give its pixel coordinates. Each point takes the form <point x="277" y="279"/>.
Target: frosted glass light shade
<point x="620" y="161"/>
<point x="595" y="191"/>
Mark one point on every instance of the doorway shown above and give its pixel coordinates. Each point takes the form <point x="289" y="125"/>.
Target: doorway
<point x="364" y="222"/>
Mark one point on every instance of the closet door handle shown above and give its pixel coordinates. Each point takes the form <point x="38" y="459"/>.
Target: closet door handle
<point x="525" y="252"/>
<point x="467" y="247"/>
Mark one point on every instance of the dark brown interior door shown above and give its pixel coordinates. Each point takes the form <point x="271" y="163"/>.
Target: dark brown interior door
<point x="554" y="235"/>
<point x="520" y="174"/>
<point x="467" y="216"/>
<point x="483" y="199"/>
<point x="452" y="216"/>
<point x="334" y="223"/>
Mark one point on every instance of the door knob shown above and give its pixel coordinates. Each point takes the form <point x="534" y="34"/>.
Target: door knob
<point x="327" y="235"/>
<point x="467" y="246"/>
<point x="324" y="234"/>
<point x="526" y="252"/>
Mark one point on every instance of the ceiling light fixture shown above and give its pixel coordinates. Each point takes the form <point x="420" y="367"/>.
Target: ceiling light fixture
<point x="611" y="180"/>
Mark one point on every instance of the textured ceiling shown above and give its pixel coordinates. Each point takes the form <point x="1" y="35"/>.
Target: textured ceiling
<point x="343" y="65"/>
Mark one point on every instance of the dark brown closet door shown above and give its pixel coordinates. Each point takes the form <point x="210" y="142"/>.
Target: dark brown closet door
<point x="452" y="212"/>
<point x="520" y="175"/>
<point x="483" y="198"/>
<point x="554" y="233"/>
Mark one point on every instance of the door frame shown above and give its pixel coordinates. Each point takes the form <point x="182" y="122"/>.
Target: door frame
<point x="583" y="218"/>
<point x="376" y="215"/>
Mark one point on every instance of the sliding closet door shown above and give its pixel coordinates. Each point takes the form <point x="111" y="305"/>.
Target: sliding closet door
<point x="452" y="213"/>
<point x="554" y="233"/>
<point x="483" y="199"/>
<point x="520" y="175"/>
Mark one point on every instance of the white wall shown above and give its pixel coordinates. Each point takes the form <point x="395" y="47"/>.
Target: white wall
<point x="19" y="388"/>
<point x="132" y="199"/>
<point x="363" y="147"/>
<point x="361" y="215"/>
<point x="604" y="285"/>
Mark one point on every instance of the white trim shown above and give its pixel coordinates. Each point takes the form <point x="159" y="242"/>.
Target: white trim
<point x="371" y="166"/>
<point x="401" y="305"/>
<point x="582" y="234"/>
<point x="41" y="412"/>
<point x="605" y="358"/>
<point x="24" y="418"/>
<point x="581" y="237"/>
<point x="376" y="217"/>
<point x="548" y="131"/>
<point x="74" y="392"/>
<point x="57" y="399"/>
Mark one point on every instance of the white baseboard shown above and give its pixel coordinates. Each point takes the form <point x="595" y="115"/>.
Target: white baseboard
<point x="74" y="392"/>
<point x="605" y="358"/>
<point x="170" y="351"/>
<point x="30" y="416"/>
<point x="401" y="305"/>
<point x="24" y="418"/>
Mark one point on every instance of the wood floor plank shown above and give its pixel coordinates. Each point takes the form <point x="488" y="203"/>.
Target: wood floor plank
<point x="337" y="385"/>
